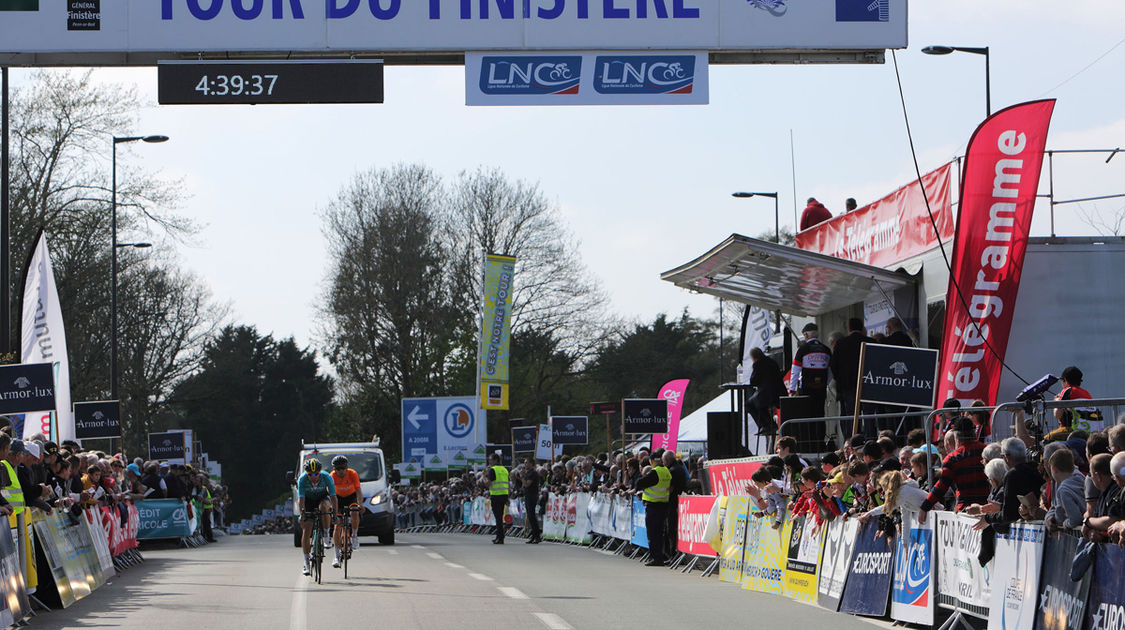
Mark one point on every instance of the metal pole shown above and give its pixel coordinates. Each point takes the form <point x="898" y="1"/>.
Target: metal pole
<point x="777" y="235"/>
<point x="859" y="391"/>
<point x="1051" y="184"/>
<point x="721" y="340"/>
<point x="5" y="233"/>
<point x="987" y="85"/>
<point x="113" y="285"/>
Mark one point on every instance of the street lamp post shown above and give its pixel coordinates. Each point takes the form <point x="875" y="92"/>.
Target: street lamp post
<point x="776" y="228"/>
<point x="982" y="50"/>
<point x="113" y="261"/>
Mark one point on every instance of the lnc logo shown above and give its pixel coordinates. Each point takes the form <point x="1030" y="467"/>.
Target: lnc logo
<point x="631" y="74"/>
<point x="526" y="75"/>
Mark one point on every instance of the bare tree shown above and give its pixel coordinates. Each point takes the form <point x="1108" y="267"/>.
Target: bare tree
<point x="1111" y="226"/>
<point x="554" y="292"/>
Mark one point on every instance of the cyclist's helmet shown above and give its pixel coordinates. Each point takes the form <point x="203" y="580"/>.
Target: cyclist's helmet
<point x="339" y="462"/>
<point x="312" y="466"/>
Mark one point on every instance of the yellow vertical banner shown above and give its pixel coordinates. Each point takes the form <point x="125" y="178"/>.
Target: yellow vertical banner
<point x="734" y="539"/>
<point x="496" y="330"/>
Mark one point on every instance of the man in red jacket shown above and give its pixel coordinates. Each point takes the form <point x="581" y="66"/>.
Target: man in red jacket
<point x="814" y="213"/>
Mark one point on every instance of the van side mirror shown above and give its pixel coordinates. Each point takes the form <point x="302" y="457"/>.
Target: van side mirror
<point x="289" y="477"/>
<point x="396" y="476"/>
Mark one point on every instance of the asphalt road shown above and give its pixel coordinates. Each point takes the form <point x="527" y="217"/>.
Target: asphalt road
<point x="438" y="581"/>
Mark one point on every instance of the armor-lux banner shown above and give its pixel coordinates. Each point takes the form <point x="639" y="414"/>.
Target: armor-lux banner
<point x="1001" y="179"/>
<point x="496" y="330"/>
<point x="890" y="230"/>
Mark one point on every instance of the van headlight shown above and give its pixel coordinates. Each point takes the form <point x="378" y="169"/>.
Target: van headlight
<point x="377" y="499"/>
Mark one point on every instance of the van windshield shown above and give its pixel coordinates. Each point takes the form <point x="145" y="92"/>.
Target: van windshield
<point x="369" y="466"/>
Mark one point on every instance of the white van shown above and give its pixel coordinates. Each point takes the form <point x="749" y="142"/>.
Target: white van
<point x="366" y="458"/>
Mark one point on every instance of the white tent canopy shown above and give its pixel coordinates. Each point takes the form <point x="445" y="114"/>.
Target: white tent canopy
<point x="693" y="427"/>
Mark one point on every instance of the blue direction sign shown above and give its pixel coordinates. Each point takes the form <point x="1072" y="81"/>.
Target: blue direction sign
<point x="419" y="428"/>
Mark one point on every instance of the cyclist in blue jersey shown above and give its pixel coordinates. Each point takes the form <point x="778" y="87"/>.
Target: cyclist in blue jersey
<point x="315" y="493"/>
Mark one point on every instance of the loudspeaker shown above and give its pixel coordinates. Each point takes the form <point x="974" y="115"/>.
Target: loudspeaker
<point x="723" y="435"/>
<point x="810" y="436"/>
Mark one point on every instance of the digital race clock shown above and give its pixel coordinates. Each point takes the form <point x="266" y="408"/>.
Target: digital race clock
<point x="263" y="82"/>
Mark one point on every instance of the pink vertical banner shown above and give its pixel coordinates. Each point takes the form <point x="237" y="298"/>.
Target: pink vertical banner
<point x="673" y="392"/>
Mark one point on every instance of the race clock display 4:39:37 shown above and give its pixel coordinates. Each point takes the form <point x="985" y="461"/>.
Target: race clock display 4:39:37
<point x="237" y="85"/>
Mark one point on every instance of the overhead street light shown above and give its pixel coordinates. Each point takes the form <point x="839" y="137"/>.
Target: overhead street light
<point x="776" y="224"/>
<point x="113" y="264"/>
<point x="982" y="50"/>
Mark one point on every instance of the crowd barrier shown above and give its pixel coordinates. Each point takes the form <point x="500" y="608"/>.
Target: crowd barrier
<point x="850" y="567"/>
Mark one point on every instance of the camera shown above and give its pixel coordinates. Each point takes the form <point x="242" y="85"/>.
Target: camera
<point x="1036" y="389"/>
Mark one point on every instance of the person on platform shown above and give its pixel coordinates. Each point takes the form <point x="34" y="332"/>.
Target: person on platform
<point x="530" y="483"/>
<point x="809" y="374"/>
<point x="814" y="213"/>
<point x="766" y="376"/>
<point x="897" y="335"/>
<point x="844" y="364"/>
<point x="497" y="477"/>
<point x="1071" y="379"/>
<point x="656" y="487"/>
<point x="850" y="205"/>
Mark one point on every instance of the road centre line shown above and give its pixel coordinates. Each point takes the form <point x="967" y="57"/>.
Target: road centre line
<point x="453" y="565"/>
<point x="512" y="592"/>
<point x="417" y="547"/>
<point x="392" y="552"/>
<point x="298" y="610"/>
<point x="481" y="577"/>
<point x="553" y="621"/>
<point x="435" y="556"/>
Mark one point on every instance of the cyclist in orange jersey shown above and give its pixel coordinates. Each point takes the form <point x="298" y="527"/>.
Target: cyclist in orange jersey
<point x="348" y="492"/>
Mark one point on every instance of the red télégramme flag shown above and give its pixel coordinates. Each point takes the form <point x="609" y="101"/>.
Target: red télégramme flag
<point x="1001" y="177"/>
<point x="673" y="392"/>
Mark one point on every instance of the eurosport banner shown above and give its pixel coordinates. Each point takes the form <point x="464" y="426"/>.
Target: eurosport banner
<point x="44" y="339"/>
<point x="586" y="78"/>
<point x="1015" y="577"/>
<point x="1062" y="603"/>
<point x="962" y="583"/>
<point x="166" y="518"/>
<point x="673" y="392"/>
<point x="730" y="476"/>
<point x="622" y="518"/>
<point x="691" y="521"/>
<point x="869" y="584"/>
<point x="764" y="561"/>
<point x="912" y="592"/>
<point x="802" y="559"/>
<point x="735" y="520"/>
<point x="888" y="231"/>
<point x="496" y="330"/>
<point x="388" y="26"/>
<point x="1106" y="607"/>
<point x="839" y="546"/>
<point x="640" y="532"/>
<point x="998" y="191"/>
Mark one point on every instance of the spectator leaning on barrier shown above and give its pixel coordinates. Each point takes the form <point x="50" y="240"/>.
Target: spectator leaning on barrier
<point x="1068" y="504"/>
<point x="1109" y="509"/>
<point x="962" y="470"/>
<point x="1022" y="484"/>
<point x="1116" y="531"/>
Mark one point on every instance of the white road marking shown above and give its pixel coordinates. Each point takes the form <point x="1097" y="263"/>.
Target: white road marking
<point x="392" y="552"/>
<point x="553" y="621"/>
<point x="453" y="565"/>
<point x="298" y="611"/>
<point x="417" y="547"/>
<point x="435" y="556"/>
<point x="514" y="593"/>
<point x="480" y="576"/>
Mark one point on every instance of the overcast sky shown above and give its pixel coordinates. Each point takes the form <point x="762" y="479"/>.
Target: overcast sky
<point x="644" y="189"/>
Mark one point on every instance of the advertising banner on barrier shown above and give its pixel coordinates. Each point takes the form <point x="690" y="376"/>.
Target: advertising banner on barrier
<point x="802" y="559"/>
<point x="166" y="518"/>
<point x="622" y="518"/>
<point x="1015" y="577"/>
<point x="764" y="562"/>
<point x="577" y="520"/>
<point x="998" y="192"/>
<point x="839" y="546"/>
<point x="601" y="514"/>
<point x="70" y="555"/>
<point x="640" y="532"/>
<point x="14" y="602"/>
<point x="554" y="519"/>
<point x="1105" y="609"/>
<point x="961" y="582"/>
<point x="734" y="539"/>
<point x="99" y="535"/>
<point x="1062" y="603"/>
<point x="869" y="584"/>
<point x="912" y="595"/>
<point x="690" y="523"/>
<point x="729" y="477"/>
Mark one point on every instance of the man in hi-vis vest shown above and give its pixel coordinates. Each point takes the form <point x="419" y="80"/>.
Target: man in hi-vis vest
<point x="11" y="493"/>
<point x="497" y="482"/>
<point x="656" y="487"/>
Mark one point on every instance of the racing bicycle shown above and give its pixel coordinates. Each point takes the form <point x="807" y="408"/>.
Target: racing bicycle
<point x="346" y="552"/>
<point x="317" y="545"/>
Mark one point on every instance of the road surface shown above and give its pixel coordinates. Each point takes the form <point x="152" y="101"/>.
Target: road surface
<point x="438" y="581"/>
